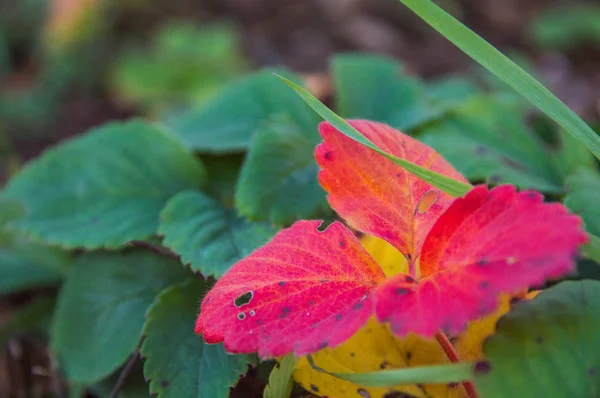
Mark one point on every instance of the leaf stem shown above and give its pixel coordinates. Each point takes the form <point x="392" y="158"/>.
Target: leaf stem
<point x="454" y="358"/>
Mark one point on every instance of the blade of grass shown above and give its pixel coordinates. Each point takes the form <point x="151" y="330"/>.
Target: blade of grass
<point x="446" y="184"/>
<point x="501" y="66"/>
<point x="451" y="373"/>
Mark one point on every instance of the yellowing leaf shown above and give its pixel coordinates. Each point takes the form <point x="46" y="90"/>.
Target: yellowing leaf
<point x="374" y="348"/>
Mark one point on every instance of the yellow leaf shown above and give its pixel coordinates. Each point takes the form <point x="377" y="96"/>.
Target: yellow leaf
<point x="374" y="347"/>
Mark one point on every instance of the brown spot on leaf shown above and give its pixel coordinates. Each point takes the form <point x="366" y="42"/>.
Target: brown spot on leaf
<point x="363" y="393"/>
<point x="402" y="291"/>
<point x="483" y="367"/>
<point x="314" y="388"/>
<point x="164" y="383"/>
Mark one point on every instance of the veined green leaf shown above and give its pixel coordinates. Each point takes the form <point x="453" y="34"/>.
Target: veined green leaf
<point x="446" y="184"/>
<point x="501" y="66"/>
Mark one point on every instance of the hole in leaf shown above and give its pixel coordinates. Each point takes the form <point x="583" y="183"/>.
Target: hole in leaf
<point x="243" y="299"/>
<point x="427" y="201"/>
<point x="241" y="316"/>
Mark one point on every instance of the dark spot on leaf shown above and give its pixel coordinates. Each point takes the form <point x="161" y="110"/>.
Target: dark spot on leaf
<point x="398" y="394"/>
<point x="358" y="306"/>
<point x="402" y="291"/>
<point x="514" y="301"/>
<point x="481" y="262"/>
<point x="512" y="163"/>
<point x="342" y="244"/>
<point x="484" y="284"/>
<point x="494" y="179"/>
<point x="592" y="371"/>
<point x="539" y="339"/>
<point x="363" y="393"/>
<point x="480" y="150"/>
<point x="324" y="280"/>
<point x="352" y="354"/>
<point x="327" y="155"/>
<point x="409" y="279"/>
<point x="252" y="312"/>
<point x="311" y="302"/>
<point x="453" y="385"/>
<point x="258" y="321"/>
<point x="314" y="388"/>
<point x="323" y="345"/>
<point x="241" y="316"/>
<point x="408" y="355"/>
<point x="282" y="283"/>
<point x="243" y="299"/>
<point x="284" y="312"/>
<point x="384" y="365"/>
<point x="338" y="317"/>
<point x="397" y="174"/>
<point x="483" y="367"/>
<point x="531" y="195"/>
<point x="164" y="383"/>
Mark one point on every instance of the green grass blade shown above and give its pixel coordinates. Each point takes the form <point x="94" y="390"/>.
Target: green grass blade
<point x="451" y="373"/>
<point x="501" y="66"/>
<point x="446" y="184"/>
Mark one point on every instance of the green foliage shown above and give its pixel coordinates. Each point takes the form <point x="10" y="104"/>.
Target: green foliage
<point x="100" y="311"/>
<point x="565" y="26"/>
<point x="101" y="190"/>
<point x="184" y="64"/>
<point x="178" y="362"/>
<point x="24" y="264"/>
<point x="280" y="380"/>
<point x="582" y="199"/>
<point x="207" y="236"/>
<point x="505" y="69"/>
<point x="279" y="179"/>
<point x="227" y="123"/>
<point x="546" y="347"/>
<point x="487" y="139"/>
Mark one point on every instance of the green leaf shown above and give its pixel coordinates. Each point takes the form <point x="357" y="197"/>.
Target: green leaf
<point x="376" y="88"/>
<point x="446" y="184"/>
<point x="105" y="188"/>
<point x="228" y="122"/>
<point x="24" y="264"/>
<point x="279" y="182"/>
<point x="207" y="236"/>
<point x="592" y="249"/>
<point x="582" y="199"/>
<point x="185" y="63"/>
<point x="487" y="139"/>
<point x="372" y="87"/>
<point x="100" y="311"/>
<point x="546" y="347"/>
<point x="280" y="380"/>
<point x="178" y="362"/>
<point x="565" y="26"/>
<point x="33" y="317"/>
<point x="223" y="174"/>
<point x="415" y="375"/>
<point x="497" y="63"/>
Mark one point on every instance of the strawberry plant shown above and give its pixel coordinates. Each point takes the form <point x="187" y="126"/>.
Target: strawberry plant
<point x="425" y="240"/>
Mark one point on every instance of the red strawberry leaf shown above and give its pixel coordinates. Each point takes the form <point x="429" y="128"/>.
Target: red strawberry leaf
<point x="487" y="243"/>
<point x="376" y="195"/>
<point x="302" y="291"/>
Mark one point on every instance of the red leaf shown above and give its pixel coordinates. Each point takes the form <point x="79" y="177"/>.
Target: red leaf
<point x="374" y="194"/>
<point x="301" y="292"/>
<point x="487" y="243"/>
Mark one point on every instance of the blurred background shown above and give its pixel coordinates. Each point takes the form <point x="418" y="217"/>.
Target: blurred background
<point x="68" y="65"/>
